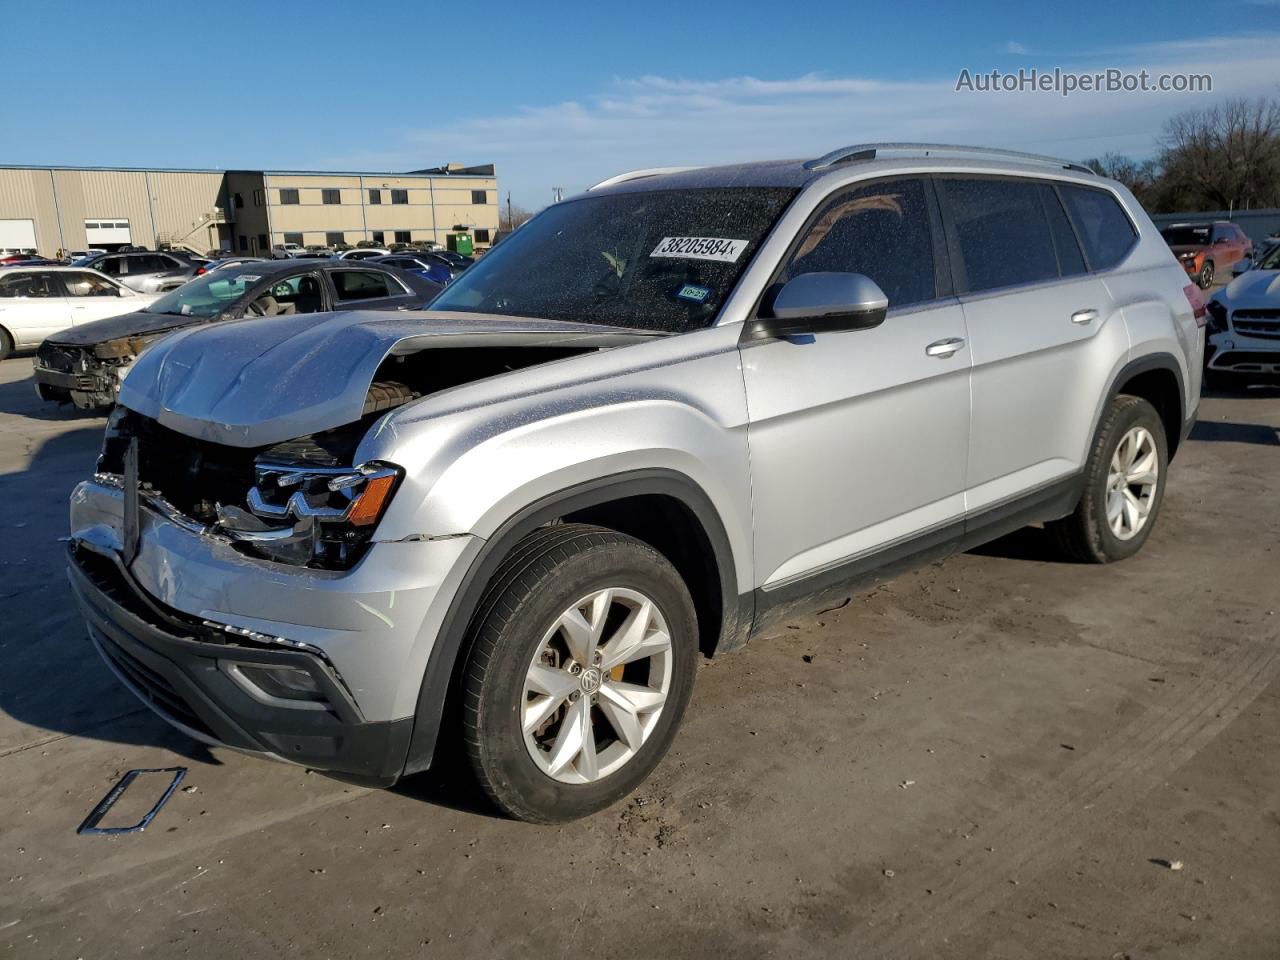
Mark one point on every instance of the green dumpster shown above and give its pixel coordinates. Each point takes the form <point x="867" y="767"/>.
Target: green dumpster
<point x="461" y="243"/>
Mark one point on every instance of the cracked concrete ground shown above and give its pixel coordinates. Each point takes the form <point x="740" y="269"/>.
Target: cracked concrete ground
<point x="998" y="756"/>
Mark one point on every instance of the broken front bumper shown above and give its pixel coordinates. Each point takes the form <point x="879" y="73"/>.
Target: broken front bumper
<point x="191" y="622"/>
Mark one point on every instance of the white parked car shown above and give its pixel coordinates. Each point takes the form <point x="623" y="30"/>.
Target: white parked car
<point x="1244" y="327"/>
<point x="38" y="301"/>
<point x="283" y="251"/>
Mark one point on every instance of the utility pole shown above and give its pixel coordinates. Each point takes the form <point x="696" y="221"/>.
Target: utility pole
<point x="509" y="223"/>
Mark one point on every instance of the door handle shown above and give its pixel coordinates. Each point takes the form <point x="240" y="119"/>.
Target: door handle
<point x="1084" y="316"/>
<point x="944" y="348"/>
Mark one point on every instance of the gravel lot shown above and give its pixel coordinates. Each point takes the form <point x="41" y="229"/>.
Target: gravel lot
<point x="996" y="756"/>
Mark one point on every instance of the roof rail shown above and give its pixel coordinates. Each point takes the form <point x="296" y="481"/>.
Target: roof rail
<point x="869" y="151"/>
<point x="638" y="175"/>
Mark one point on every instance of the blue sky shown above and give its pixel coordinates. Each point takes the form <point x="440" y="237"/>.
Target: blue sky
<point x="564" y="97"/>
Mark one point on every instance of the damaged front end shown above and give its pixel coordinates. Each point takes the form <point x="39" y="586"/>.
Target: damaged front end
<point x="88" y="376"/>
<point x="302" y="502"/>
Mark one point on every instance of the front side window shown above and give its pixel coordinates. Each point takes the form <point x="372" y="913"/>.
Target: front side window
<point x="1000" y="231"/>
<point x="331" y="197"/>
<point x="399" y="196"/>
<point x="89" y="285"/>
<point x="1105" y="230"/>
<point x="881" y="231"/>
<point x="38" y="285"/>
<point x="288" y="197"/>
<point x="655" y="260"/>
<point x="362" y="285"/>
<point x="111" y="266"/>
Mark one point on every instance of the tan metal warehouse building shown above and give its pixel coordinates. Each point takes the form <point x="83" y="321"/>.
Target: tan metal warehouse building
<point x="249" y="211"/>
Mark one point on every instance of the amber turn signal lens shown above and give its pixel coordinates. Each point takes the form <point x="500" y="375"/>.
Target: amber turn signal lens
<point x="371" y="501"/>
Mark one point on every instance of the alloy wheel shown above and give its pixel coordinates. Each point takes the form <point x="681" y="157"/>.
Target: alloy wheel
<point x="1131" y="483"/>
<point x="597" y="685"/>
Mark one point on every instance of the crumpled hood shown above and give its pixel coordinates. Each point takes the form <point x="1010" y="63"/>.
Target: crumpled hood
<point x="136" y="324"/>
<point x="1253" y="288"/>
<point x="256" y="382"/>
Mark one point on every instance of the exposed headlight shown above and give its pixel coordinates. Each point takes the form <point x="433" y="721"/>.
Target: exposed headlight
<point x="323" y="516"/>
<point x="1217" y="317"/>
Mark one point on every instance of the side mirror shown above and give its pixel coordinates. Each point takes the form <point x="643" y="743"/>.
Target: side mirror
<point x="822" y="303"/>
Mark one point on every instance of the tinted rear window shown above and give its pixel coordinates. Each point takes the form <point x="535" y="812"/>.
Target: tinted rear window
<point x="1105" y="230"/>
<point x="1000" y="231"/>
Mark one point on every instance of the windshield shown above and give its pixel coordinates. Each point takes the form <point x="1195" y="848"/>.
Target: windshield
<point x="1270" y="259"/>
<point x="1186" y="236"/>
<point x="208" y="295"/>
<point x="660" y="260"/>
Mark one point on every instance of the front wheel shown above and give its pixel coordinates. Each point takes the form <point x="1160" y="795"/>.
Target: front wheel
<point x="1123" y="485"/>
<point x="582" y="664"/>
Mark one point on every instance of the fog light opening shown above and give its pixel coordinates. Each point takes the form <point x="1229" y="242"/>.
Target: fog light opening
<point x="294" y="686"/>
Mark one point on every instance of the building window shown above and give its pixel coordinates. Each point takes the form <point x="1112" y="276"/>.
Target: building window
<point x="288" y="197"/>
<point x="293" y="238"/>
<point x="399" y="196"/>
<point x="479" y="197"/>
<point x="402" y="236"/>
<point x="335" y="237"/>
<point x="331" y="196"/>
<point x="263" y="242"/>
<point x="257" y="198"/>
<point x="482" y="236"/>
<point x="244" y="244"/>
<point x="375" y="198"/>
<point x="378" y="236"/>
<point x="238" y="201"/>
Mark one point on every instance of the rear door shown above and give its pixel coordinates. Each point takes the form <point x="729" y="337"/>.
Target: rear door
<point x="32" y="306"/>
<point x="1039" y="324"/>
<point x="365" y="289"/>
<point x="858" y="438"/>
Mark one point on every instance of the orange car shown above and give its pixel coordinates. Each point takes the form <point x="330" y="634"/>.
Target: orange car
<point x="1205" y="248"/>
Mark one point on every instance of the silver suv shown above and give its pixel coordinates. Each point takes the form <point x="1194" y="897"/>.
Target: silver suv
<point x="656" y="417"/>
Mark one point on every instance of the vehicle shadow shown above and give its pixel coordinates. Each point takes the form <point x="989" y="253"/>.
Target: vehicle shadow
<point x="1027" y="543"/>
<point x="53" y="681"/>
<point x="1221" y="431"/>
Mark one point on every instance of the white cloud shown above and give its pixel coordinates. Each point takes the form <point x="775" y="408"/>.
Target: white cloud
<point x="1013" y="46"/>
<point x="660" y="121"/>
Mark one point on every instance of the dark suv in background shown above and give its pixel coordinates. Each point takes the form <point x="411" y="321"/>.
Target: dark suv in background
<point x="1205" y="248"/>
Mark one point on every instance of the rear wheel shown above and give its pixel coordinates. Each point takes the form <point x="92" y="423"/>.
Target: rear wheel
<point x="582" y="664"/>
<point x="6" y="344"/>
<point x="1206" y="276"/>
<point x="1124" y="485"/>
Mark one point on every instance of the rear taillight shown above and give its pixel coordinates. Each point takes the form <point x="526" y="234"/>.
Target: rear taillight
<point x="1196" y="299"/>
<point x="201" y="271"/>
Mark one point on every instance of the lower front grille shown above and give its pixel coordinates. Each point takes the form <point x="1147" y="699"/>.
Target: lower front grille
<point x="1247" y="359"/>
<point x="152" y="686"/>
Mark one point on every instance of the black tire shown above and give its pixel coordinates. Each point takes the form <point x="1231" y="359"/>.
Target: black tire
<point x="546" y="573"/>
<point x="1205" y="279"/>
<point x="387" y="394"/>
<point x="1085" y="535"/>
<point x="6" y="344"/>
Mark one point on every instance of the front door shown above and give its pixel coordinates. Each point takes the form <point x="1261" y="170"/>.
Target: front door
<point x="32" y="306"/>
<point x="858" y="438"/>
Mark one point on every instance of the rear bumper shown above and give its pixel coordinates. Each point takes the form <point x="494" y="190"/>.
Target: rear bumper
<point x="189" y="676"/>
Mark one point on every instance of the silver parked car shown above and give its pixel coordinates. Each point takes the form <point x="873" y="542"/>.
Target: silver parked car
<point x="146" y="271"/>
<point x="658" y="416"/>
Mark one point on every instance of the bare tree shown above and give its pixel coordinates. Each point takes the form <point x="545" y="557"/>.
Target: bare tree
<point x="512" y="216"/>
<point x="1226" y="156"/>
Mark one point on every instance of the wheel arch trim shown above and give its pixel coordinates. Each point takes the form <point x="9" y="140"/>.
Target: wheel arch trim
<point x="447" y="652"/>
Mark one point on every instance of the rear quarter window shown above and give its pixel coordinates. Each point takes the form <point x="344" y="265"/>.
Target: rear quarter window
<point x="1105" y="230"/>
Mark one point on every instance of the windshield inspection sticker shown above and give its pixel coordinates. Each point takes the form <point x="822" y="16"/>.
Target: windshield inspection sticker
<point x="694" y="293"/>
<point x="700" y="248"/>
